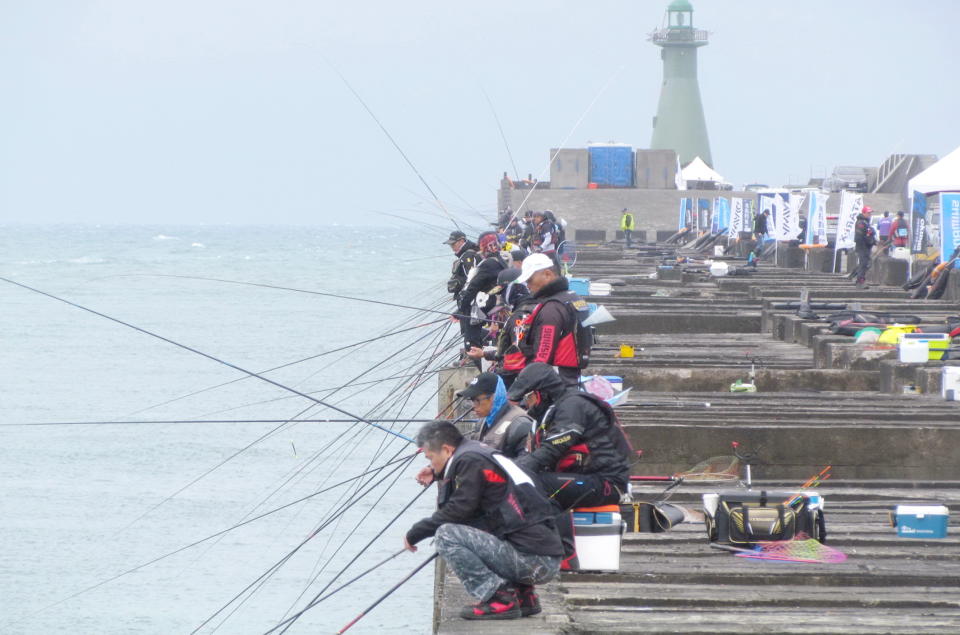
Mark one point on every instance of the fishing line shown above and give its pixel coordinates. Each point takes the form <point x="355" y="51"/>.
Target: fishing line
<point x="282" y="288"/>
<point x="394" y="142"/>
<point x="299" y="361"/>
<point x="276" y="566"/>
<point x="219" y="533"/>
<point x="503" y="136"/>
<point x="563" y="143"/>
<point x="207" y="355"/>
<point x="196" y="421"/>
<point x="317" y="598"/>
<point x="388" y="593"/>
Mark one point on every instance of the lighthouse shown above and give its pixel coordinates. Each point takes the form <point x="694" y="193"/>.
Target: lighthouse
<point x="679" y="124"/>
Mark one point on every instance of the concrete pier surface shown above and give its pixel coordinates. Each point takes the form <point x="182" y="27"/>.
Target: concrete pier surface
<point x="822" y="400"/>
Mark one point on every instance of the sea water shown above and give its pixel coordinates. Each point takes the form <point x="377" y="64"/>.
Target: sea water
<point x="81" y="504"/>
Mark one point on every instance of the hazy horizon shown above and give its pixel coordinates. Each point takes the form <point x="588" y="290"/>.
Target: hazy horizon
<point x="229" y="112"/>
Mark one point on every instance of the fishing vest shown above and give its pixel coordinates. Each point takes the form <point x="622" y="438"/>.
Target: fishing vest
<point x="495" y="434"/>
<point x="626" y="222"/>
<point x="522" y="508"/>
<point x="573" y="347"/>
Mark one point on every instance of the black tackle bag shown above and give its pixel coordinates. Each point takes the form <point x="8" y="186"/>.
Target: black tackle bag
<point x="744" y="517"/>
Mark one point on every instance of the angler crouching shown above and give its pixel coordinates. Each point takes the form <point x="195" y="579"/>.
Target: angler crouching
<point x="492" y="527"/>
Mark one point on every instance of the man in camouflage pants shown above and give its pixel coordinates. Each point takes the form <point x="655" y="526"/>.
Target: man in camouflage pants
<point x="492" y="527"/>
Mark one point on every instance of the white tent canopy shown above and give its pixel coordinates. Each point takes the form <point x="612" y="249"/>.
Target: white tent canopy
<point x="944" y="175"/>
<point x="697" y="170"/>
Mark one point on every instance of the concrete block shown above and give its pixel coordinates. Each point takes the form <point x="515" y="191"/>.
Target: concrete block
<point x="590" y="235"/>
<point x="808" y="329"/>
<point x="860" y="357"/>
<point x="888" y="271"/>
<point x="929" y="378"/>
<point x="672" y="273"/>
<point x="894" y="376"/>
<point x="819" y="259"/>
<point x="789" y="256"/>
<point x="821" y="351"/>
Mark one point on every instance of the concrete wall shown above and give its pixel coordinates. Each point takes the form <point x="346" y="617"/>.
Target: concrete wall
<point x="652" y="209"/>
<point x="570" y="169"/>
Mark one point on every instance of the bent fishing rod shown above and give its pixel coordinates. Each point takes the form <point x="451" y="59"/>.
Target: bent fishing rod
<point x="207" y="355"/>
<point x="383" y="597"/>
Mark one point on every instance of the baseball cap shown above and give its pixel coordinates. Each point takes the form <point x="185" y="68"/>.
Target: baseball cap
<point x="455" y="235"/>
<point x="482" y="384"/>
<point x="533" y="264"/>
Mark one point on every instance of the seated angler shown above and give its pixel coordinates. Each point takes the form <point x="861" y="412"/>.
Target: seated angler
<point x="492" y="527"/>
<point x="578" y="451"/>
<point x="503" y="426"/>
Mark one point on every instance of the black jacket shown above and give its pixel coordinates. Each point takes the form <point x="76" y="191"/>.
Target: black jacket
<point x="466" y="258"/>
<point x="760" y="224"/>
<point x="573" y="434"/>
<point x="476" y="489"/>
<point x="483" y="280"/>
<point x="864" y="236"/>
<point x="509" y="432"/>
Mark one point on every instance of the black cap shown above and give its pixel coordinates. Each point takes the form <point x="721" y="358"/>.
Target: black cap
<point x="455" y="235"/>
<point x="482" y="384"/>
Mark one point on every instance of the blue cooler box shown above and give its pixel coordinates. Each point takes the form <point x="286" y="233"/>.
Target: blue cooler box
<point x="921" y="521"/>
<point x="580" y="286"/>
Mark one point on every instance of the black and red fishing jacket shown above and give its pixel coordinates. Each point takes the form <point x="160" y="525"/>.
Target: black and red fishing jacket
<point x="549" y="332"/>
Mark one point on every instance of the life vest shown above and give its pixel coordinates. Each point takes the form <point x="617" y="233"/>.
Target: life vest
<point x="573" y="348"/>
<point x="626" y="222"/>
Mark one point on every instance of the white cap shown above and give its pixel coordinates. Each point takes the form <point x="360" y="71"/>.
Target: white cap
<point x="532" y="264"/>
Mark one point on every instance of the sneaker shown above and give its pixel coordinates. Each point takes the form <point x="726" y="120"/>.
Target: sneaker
<point x="529" y="600"/>
<point x="504" y="605"/>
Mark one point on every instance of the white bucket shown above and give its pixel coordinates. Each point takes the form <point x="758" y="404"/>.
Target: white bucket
<point x="719" y="269"/>
<point x="900" y="253"/>
<point x="950" y="383"/>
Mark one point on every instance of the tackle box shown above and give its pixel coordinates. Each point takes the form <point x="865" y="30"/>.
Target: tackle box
<point x="597" y="533"/>
<point x="921" y="521"/>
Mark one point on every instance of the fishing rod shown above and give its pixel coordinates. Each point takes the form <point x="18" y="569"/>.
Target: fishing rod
<point x="220" y="421"/>
<point x="207" y="355"/>
<point x="282" y="288"/>
<point x="394" y="142"/>
<point x="286" y="624"/>
<point x="388" y="593"/>
<point x="219" y="533"/>
<point x="288" y="364"/>
<point x="563" y="143"/>
<point x="277" y="565"/>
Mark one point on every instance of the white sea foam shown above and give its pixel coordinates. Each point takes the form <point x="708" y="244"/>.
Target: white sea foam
<point x="164" y="237"/>
<point x="197" y="245"/>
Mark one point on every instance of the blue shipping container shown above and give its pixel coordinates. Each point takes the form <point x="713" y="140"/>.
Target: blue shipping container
<point x="611" y="166"/>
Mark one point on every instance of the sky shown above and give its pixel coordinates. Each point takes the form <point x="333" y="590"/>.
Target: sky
<point x="232" y="111"/>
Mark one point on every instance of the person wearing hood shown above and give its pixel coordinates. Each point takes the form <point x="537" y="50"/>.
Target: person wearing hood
<point x="466" y="255"/>
<point x="552" y="333"/>
<point x="503" y="426"/>
<point x="481" y="280"/>
<point x="578" y="451"/>
<point x="864" y="238"/>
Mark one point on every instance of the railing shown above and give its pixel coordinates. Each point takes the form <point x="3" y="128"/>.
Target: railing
<point x="669" y="36"/>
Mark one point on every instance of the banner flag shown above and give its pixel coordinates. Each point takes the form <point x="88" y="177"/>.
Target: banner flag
<point x="778" y="215"/>
<point x="715" y="217"/>
<point x="678" y="177"/>
<point x="949" y="226"/>
<point x="850" y="206"/>
<point x="737" y="218"/>
<point x="918" y="223"/>
<point x="703" y="214"/>
<point x="683" y="214"/>
<point x="817" y="219"/>
<point x="795" y="204"/>
<point x="723" y="214"/>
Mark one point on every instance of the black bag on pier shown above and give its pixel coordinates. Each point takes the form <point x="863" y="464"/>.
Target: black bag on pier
<point x="744" y="517"/>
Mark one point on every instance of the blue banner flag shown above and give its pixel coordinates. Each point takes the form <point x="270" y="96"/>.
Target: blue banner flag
<point x="949" y="226"/>
<point x="918" y="223"/>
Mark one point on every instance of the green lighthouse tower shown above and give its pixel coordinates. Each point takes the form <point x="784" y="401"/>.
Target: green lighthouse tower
<point x="679" y="124"/>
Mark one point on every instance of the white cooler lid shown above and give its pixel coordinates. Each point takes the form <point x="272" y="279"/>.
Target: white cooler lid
<point x="930" y="510"/>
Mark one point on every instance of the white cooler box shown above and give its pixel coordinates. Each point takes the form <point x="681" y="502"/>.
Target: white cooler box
<point x="598" y="532"/>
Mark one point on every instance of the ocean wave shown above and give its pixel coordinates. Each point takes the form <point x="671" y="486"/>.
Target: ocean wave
<point x="87" y="260"/>
<point x="165" y="237"/>
<point x="201" y="245"/>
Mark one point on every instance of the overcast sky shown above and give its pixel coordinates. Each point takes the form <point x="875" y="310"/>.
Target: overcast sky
<point x="227" y="111"/>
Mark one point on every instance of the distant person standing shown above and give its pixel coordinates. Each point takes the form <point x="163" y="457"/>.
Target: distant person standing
<point x="626" y="226"/>
<point x="864" y="239"/>
<point x="900" y="231"/>
<point x="883" y="228"/>
<point x="760" y="233"/>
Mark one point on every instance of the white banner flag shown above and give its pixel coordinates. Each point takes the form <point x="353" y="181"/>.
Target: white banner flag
<point x="795" y="204"/>
<point x="850" y="206"/>
<point x="781" y="219"/>
<point x="817" y="219"/>
<point x="737" y="218"/>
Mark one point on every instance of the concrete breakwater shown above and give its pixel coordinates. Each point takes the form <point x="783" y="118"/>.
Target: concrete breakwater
<point x="821" y="400"/>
